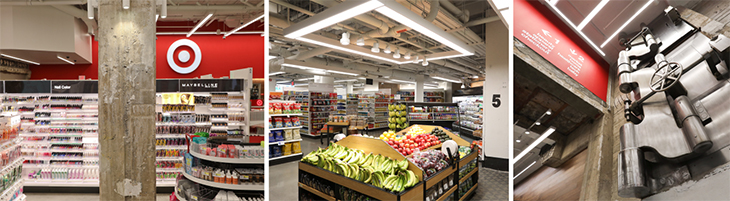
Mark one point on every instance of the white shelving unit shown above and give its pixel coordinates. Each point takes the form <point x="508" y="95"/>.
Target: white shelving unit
<point x="280" y="144"/>
<point x="375" y="109"/>
<point x="243" y="187"/>
<point x="227" y="160"/>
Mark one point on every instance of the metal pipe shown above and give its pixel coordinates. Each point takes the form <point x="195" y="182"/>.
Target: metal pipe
<point x="435" y="6"/>
<point x="463" y="16"/>
<point x="311" y="53"/>
<point x="481" y="21"/>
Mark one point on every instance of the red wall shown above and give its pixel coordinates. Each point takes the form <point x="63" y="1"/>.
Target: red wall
<point x="219" y="57"/>
<point x="546" y="34"/>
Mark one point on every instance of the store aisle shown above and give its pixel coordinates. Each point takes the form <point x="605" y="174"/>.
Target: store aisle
<point x="493" y="185"/>
<point x="76" y="196"/>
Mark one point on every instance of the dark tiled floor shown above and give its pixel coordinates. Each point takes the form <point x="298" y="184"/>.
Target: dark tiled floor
<point x="493" y="185"/>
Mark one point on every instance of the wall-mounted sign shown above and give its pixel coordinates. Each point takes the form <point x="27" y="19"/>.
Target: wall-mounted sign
<point x="13" y="87"/>
<point x="540" y="33"/>
<point x="184" y="56"/>
<point x="210" y="85"/>
<point x="75" y="86"/>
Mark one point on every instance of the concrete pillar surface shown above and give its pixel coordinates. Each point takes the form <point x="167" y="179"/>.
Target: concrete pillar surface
<point x="127" y="100"/>
<point x="418" y="91"/>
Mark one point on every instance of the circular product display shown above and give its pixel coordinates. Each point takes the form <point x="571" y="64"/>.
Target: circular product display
<point x="227" y="160"/>
<point x="245" y="187"/>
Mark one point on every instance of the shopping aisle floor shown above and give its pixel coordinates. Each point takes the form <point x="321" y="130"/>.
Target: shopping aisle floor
<point x="76" y="196"/>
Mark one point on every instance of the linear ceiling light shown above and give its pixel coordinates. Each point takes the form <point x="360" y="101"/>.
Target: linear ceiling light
<point x="582" y="35"/>
<point x="332" y="15"/>
<point x="305" y="79"/>
<point x="276" y="73"/>
<point x="350" y="80"/>
<point x="535" y="143"/>
<point x="244" y="25"/>
<point x="19" y="59"/>
<point x="627" y="22"/>
<point x="347" y="50"/>
<point x="592" y="14"/>
<point x="528" y="167"/>
<point x="66" y="60"/>
<point x="340" y="72"/>
<point x="199" y="24"/>
<point x="446" y="79"/>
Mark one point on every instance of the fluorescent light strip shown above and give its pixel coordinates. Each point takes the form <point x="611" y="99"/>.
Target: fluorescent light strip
<point x="446" y="79"/>
<point x="242" y="26"/>
<point x="301" y="85"/>
<point x="340" y="72"/>
<point x="349" y="50"/>
<point x="347" y="14"/>
<point x="438" y="58"/>
<point x="199" y="24"/>
<point x="350" y="80"/>
<point x="421" y="29"/>
<point x="535" y="143"/>
<point x="19" y="59"/>
<point x="553" y="2"/>
<point x="206" y="33"/>
<point x="396" y="80"/>
<point x="595" y="47"/>
<point x="67" y="61"/>
<point x="276" y="73"/>
<point x="592" y="14"/>
<point x="305" y="79"/>
<point x="528" y="167"/>
<point x="627" y="22"/>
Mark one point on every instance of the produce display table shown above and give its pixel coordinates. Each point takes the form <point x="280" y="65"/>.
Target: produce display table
<point x="443" y="185"/>
<point x="335" y="125"/>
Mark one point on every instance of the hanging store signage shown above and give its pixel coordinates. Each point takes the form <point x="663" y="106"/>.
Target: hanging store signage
<point x="12" y="87"/>
<point x="74" y="87"/>
<point x="211" y="85"/>
<point x="184" y="56"/>
<point x="547" y="39"/>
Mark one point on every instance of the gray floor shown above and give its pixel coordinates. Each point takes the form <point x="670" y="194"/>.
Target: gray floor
<point x="75" y="196"/>
<point x="283" y="178"/>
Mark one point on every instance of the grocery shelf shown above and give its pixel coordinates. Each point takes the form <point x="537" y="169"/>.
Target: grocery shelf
<point x="244" y="187"/>
<point x="20" y="198"/>
<point x="287" y="156"/>
<point x="286" y="141"/>
<point x="169" y="158"/>
<point x="445" y="195"/>
<point x="170" y="147"/>
<point x="469" y="192"/>
<point x="316" y="192"/>
<point x="168" y="169"/>
<point x="165" y="183"/>
<point x="469" y="175"/>
<point x="274" y="129"/>
<point x="11" y="188"/>
<point x="227" y="160"/>
<point x="286" y="115"/>
<point x="61" y="182"/>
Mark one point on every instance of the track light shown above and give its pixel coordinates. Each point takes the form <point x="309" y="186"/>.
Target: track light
<point x="425" y="62"/>
<point x="396" y="54"/>
<point x="527" y="132"/>
<point x="518" y="140"/>
<point x="415" y="61"/>
<point x="345" y="40"/>
<point x="125" y="4"/>
<point x="360" y="41"/>
<point x="407" y="56"/>
<point x="387" y="49"/>
<point x="376" y="47"/>
<point x="90" y="9"/>
<point x="549" y="112"/>
<point x="163" y="10"/>
<point x="537" y="123"/>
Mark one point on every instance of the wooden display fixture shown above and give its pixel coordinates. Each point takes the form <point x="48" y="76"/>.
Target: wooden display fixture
<point x="374" y="146"/>
<point x="445" y="195"/>
<point x="468" y="158"/>
<point x="338" y="123"/>
<point x="317" y="192"/>
<point x="468" y="175"/>
<point x="469" y="192"/>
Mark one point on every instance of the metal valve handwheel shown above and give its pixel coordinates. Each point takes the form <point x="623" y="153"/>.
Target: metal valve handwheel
<point x="666" y="76"/>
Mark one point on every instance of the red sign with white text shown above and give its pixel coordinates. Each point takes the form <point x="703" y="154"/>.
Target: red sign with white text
<point x="537" y="28"/>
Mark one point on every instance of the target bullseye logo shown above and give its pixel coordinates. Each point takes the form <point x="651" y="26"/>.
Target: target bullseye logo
<point x="184" y="56"/>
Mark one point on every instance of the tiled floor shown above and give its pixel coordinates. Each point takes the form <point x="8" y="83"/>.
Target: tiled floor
<point x="493" y="185"/>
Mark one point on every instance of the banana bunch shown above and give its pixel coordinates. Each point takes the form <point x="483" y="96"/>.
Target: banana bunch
<point x="378" y="170"/>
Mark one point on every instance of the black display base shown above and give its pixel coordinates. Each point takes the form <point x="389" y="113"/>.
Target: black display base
<point x="285" y="160"/>
<point x="496" y="163"/>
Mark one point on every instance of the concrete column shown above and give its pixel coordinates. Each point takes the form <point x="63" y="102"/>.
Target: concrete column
<point x="418" y="92"/>
<point x="349" y="87"/>
<point x="127" y="100"/>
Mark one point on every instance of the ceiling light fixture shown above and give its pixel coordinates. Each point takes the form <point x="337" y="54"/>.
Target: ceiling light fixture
<point x="527" y="132"/>
<point x="349" y="80"/>
<point x="19" y="59"/>
<point x="332" y="15"/>
<point x="446" y="79"/>
<point x="90" y="9"/>
<point x="199" y="24"/>
<point x="340" y="72"/>
<point x="415" y="61"/>
<point x="518" y="141"/>
<point x="626" y="23"/>
<point x="387" y="49"/>
<point x="397" y="53"/>
<point x="276" y="73"/>
<point x="244" y="25"/>
<point x="595" y="47"/>
<point x="376" y="47"/>
<point x="345" y="40"/>
<point x="305" y="79"/>
<point x="592" y="14"/>
<point x="339" y="47"/>
<point x="537" y="123"/>
<point x="475" y="77"/>
<point x="66" y="60"/>
<point x="425" y="62"/>
<point x="549" y="112"/>
<point x="528" y="167"/>
<point x="535" y="143"/>
<point x="407" y="56"/>
<point x="125" y="4"/>
<point x="360" y="41"/>
<point x="163" y="9"/>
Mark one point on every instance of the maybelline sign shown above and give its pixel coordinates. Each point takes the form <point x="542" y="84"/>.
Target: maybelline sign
<point x="200" y="85"/>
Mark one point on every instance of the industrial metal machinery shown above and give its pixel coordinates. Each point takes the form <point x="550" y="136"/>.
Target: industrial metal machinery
<point x="676" y="92"/>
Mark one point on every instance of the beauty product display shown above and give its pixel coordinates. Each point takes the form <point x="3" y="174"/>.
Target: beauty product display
<point x="236" y="176"/>
<point x="65" y="174"/>
<point x="170" y="152"/>
<point x="200" y="145"/>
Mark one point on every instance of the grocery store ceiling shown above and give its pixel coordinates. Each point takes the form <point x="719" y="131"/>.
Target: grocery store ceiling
<point x="460" y="18"/>
<point x="611" y="20"/>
